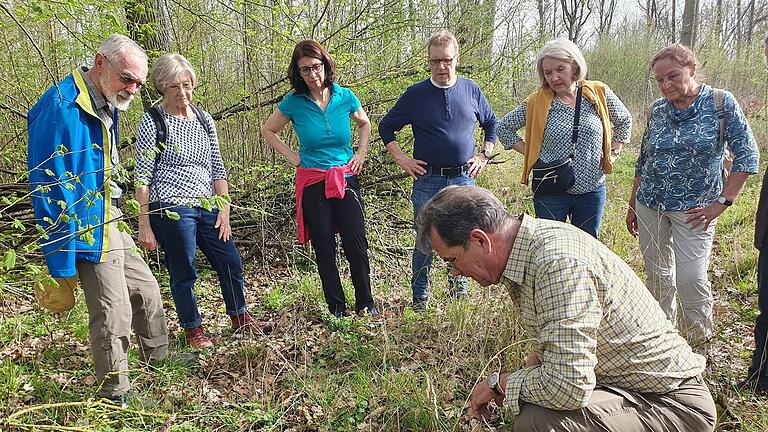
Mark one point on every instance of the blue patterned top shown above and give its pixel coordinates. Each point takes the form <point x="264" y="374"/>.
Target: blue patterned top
<point x="557" y="136"/>
<point x="681" y="162"/>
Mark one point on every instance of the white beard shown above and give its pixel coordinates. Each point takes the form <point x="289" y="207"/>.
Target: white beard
<point x="120" y="100"/>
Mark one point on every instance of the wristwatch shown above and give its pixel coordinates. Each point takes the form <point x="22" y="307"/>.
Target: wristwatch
<point x="488" y="153"/>
<point x="493" y="382"/>
<point x="724" y="201"/>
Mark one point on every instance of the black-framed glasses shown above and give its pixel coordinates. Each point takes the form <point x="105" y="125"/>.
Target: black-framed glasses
<point x="126" y="79"/>
<point x="316" y="68"/>
<point x="451" y="262"/>
<point x="445" y="61"/>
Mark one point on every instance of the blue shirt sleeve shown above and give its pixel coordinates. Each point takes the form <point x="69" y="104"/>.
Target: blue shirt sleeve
<point x="740" y="138"/>
<point x="354" y="102"/>
<point x="286" y="105"/>
<point x="396" y="118"/>
<point x="510" y="124"/>
<point x="486" y="117"/>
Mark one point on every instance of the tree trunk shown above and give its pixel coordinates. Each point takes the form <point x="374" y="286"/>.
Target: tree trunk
<point x="148" y="25"/>
<point x="688" y="33"/>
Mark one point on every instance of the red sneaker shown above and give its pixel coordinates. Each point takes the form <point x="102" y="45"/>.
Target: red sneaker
<point x="196" y="338"/>
<point x="245" y="322"/>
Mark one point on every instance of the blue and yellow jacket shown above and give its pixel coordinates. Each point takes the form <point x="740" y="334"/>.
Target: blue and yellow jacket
<point x="69" y="165"/>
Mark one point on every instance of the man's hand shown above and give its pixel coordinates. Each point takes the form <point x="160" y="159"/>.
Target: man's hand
<point x="481" y="396"/>
<point x="476" y="164"/>
<point x="412" y="167"/>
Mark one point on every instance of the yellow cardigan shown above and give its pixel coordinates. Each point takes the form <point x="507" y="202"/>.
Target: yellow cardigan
<point x="538" y="106"/>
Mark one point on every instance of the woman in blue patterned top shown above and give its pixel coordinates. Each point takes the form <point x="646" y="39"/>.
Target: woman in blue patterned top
<point x="179" y="179"/>
<point x="678" y="191"/>
<point x="548" y="115"/>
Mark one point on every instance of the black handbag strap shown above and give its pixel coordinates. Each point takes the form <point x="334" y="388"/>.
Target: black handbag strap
<point x="576" y="115"/>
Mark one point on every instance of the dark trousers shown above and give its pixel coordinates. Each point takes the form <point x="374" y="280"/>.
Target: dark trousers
<point x="180" y="239"/>
<point x="758" y="371"/>
<point x="323" y="216"/>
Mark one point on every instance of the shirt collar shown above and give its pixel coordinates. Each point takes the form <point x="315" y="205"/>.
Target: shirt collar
<point x="520" y="255"/>
<point x="456" y="79"/>
<point x="99" y="102"/>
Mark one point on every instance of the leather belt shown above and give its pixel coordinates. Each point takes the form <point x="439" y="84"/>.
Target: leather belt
<point x="447" y="171"/>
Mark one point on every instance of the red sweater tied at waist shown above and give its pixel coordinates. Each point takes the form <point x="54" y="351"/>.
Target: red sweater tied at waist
<point x="335" y="185"/>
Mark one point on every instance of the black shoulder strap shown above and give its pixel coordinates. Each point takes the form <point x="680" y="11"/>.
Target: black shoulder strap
<point x="576" y="115"/>
<point x="161" y="130"/>
<point x="201" y="118"/>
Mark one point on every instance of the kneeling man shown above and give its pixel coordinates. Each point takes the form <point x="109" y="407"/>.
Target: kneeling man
<point x="606" y="358"/>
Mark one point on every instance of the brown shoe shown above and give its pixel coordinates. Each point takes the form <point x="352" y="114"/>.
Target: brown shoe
<point x="197" y="339"/>
<point x="245" y="322"/>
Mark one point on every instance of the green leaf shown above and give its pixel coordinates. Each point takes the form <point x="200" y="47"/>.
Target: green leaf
<point x="9" y="259"/>
<point x="133" y="206"/>
<point x="49" y="172"/>
<point x="172" y="215"/>
<point x="122" y="226"/>
<point x="62" y="204"/>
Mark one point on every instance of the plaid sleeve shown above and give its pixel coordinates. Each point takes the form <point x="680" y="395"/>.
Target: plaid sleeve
<point x="569" y="313"/>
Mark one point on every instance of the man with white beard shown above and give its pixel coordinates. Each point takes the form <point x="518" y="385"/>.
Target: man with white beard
<point x="72" y="159"/>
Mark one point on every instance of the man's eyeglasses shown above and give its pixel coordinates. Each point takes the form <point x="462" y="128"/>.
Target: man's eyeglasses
<point x="126" y="79"/>
<point x="445" y="61"/>
<point x="316" y="68"/>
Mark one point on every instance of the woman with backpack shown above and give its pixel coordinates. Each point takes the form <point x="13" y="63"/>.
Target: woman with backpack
<point x="179" y="167"/>
<point x="679" y="188"/>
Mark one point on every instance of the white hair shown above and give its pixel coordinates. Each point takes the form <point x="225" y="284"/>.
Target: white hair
<point x="116" y="45"/>
<point x="168" y="68"/>
<point x="561" y="49"/>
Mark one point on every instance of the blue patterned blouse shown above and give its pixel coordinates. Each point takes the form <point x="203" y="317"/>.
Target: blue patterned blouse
<point x="557" y="136"/>
<point x="680" y="165"/>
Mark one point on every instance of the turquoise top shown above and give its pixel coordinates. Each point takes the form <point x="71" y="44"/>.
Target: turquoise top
<point x="324" y="136"/>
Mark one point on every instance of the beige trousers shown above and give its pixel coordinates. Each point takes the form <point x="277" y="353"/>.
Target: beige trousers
<point x="121" y="293"/>
<point x="690" y="408"/>
<point x="676" y="261"/>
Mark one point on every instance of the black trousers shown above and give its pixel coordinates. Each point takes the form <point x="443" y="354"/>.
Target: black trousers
<point x="323" y="216"/>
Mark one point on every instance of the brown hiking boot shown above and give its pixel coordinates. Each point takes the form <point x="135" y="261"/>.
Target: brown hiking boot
<point x="197" y="339"/>
<point x="245" y="322"/>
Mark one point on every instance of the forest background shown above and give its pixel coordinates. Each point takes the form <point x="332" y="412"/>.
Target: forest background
<point x="414" y="371"/>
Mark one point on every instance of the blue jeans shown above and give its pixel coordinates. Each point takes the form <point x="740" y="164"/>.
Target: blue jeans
<point x="585" y="210"/>
<point x="424" y="188"/>
<point x="179" y="240"/>
<point x="758" y="371"/>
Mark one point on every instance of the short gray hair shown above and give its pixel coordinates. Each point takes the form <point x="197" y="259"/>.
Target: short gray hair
<point x="116" y="45"/>
<point x="443" y="38"/>
<point x="561" y="49"/>
<point x="456" y="210"/>
<point x="167" y="69"/>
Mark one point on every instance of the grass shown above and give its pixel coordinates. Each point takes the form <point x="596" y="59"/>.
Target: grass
<point x="316" y="372"/>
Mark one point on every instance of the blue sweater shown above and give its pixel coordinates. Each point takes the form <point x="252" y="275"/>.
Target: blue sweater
<point x="442" y="120"/>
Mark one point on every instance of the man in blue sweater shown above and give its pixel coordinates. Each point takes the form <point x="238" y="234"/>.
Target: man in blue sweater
<point x="442" y="112"/>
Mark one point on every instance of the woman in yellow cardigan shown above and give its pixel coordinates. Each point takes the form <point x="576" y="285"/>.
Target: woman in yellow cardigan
<point x="604" y="125"/>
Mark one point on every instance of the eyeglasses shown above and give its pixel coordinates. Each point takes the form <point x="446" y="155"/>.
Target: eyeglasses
<point x="445" y="61"/>
<point x="126" y="79"/>
<point x="316" y="68"/>
<point x="186" y="86"/>
<point x="451" y="262"/>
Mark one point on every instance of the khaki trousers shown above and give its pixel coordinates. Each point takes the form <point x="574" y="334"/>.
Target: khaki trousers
<point x="690" y="408"/>
<point x="676" y="261"/>
<point x="121" y="293"/>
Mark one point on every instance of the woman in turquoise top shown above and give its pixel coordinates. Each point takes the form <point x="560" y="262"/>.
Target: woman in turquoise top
<point x="320" y="111"/>
<point x="679" y="190"/>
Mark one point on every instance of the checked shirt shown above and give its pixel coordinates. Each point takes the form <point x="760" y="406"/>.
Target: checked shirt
<point x="594" y="321"/>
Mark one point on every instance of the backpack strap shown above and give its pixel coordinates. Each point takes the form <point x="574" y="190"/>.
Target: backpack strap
<point x="161" y="131"/>
<point x="201" y="118"/>
<point x="719" y="96"/>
